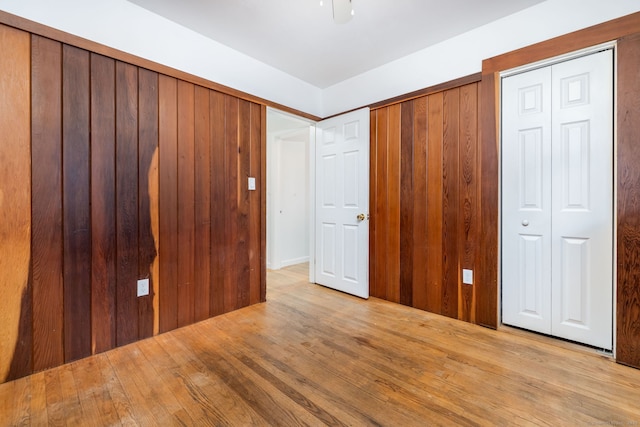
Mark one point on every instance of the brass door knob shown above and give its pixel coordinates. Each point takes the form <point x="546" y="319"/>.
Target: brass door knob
<point x="361" y="217"/>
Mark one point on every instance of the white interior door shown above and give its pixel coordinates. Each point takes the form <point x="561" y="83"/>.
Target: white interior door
<point x="557" y="204"/>
<point x="526" y="200"/>
<point x="342" y="203"/>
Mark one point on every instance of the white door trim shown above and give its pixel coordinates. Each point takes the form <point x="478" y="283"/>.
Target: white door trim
<point x="312" y="203"/>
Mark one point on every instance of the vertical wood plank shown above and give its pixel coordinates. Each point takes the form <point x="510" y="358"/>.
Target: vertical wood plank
<point x="231" y="199"/>
<point x="148" y="199"/>
<point x="263" y="203"/>
<point x="127" y="203"/>
<point x="406" y="203"/>
<point x="76" y="203"/>
<point x="381" y="208"/>
<point x="242" y="242"/>
<point x="186" y="212"/>
<point x="486" y="284"/>
<point x="15" y="204"/>
<point x="168" y="201"/>
<point x="467" y="229"/>
<point x="434" y="203"/>
<point x="420" y="224"/>
<point x="628" y="182"/>
<point x="393" y="198"/>
<point x="103" y="204"/>
<point x="256" y="240"/>
<point x="202" y="261"/>
<point x="46" y="205"/>
<point x="218" y="201"/>
<point x="450" y="194"/>
<point x="373" y="203"/>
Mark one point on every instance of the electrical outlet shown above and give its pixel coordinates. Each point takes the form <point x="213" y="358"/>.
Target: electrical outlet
<point x="252" y="183"/>
<point x="467" y="277"/>
<point x="143" y="287"/>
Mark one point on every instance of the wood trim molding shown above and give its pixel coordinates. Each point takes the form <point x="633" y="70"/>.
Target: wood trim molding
<point x="79" y="42"/>
<point x="591" y="36"/>
<point x="451" y="84"/>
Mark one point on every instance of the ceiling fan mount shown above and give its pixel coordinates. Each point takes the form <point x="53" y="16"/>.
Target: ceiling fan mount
<point x="342" y="11"/>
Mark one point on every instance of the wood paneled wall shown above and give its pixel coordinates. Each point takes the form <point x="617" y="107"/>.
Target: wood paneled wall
<point x="424" y="201"/>
<point x="110" y="173"/>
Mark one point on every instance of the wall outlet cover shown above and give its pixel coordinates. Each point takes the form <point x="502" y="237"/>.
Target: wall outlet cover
<point x="143" y="287"/>
<point x="252" y="183"/>
<point x="467" y="277"/>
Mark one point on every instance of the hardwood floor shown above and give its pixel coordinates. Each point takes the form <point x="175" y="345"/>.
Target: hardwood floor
<point x="313" y="356"/>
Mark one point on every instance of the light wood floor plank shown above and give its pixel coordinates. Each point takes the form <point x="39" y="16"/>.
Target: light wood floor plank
<point x="313" y="356"/>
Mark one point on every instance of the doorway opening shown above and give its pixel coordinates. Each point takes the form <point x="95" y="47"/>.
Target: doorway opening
<point x="290" y="142"/>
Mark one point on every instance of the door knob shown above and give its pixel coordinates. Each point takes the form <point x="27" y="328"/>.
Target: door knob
<point x="360" y="217"/>
<point x="525" y="222"/>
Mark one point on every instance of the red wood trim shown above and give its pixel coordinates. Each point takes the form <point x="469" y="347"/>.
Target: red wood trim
<point x="263" y="203"/>
<point x="601" y="33"/>
<point x="628" y="184"/>
<point x="451" y="84"/>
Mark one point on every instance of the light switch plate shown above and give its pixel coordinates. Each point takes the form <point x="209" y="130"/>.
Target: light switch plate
<point x="252" y="183"/>
<point x="467" y="277"/>
<point x="143" y="287"/>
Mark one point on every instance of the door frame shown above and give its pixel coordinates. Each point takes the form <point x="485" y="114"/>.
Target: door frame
<point x="614" y="170"/>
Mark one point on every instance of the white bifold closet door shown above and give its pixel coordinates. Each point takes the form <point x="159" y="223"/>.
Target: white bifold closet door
<point x="557" y="199"/>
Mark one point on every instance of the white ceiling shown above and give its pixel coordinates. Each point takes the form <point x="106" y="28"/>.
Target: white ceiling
<point x="300" y="37"/>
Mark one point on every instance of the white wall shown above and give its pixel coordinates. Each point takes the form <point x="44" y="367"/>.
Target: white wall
<point x="288" y="203"/>
<point x="130" y="28"/>
<point x="463" y="55"/>
<point x="133" y="29"/>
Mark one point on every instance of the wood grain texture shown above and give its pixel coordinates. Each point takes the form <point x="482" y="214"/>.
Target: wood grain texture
<point x="218" y="190"/>
<point x="127" y="203"/>
<point x="628" y="209"/>
<point x="373" y="201"/>
<point x="103" y="204"/>
<point x="313" y="356"/>
<point x="467" y="206"/>
<point x="148" y="199"/>
<point x="46" y="203"/>
<point x="407" y="201"/>
<point x="242" y="220"/>
<point x="434" y="203"/>
<point x="76" y="202"/>
<point x="124" y="162"/>
<point x="263" y="203"/>
<point x="16" y="338"/>
<point x="202" y="214"/>
<point x="450" y="194"/>
<point x="186" y="203"/>
<point x="380" y="210"/>
<point x="231" y="173"/>
<point x="168" y="201"/>
<point x="256" y="236"/>
<point x="393" y="198"/>
<point x="420" y="225"/>
<point x="486" y="282"/>
<point x="425" y="156"/>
